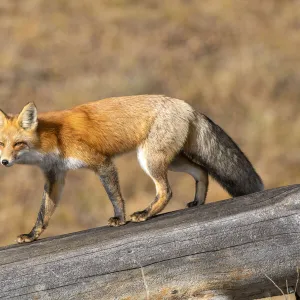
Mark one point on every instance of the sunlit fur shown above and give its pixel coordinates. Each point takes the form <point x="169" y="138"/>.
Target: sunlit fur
<point x="167" y="133"/>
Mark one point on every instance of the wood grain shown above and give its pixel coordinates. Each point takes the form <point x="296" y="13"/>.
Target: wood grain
<point x="220" y="250"/>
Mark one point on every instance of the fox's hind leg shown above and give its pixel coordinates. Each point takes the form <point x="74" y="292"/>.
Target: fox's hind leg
<point x="182" y="164"/>
<point x="156" y="166"/>
<point x="164" y="141"/>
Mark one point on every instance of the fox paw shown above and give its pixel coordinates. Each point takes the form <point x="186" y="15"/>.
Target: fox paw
<point x="192" y="204"/>
<point x="116" y="221"/>
<point x="196" y="202"/>
<point x="139" y="216"/>
<point x="26" y="238"/>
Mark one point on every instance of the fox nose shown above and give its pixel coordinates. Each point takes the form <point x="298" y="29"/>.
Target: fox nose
<point x="5" y="162"/>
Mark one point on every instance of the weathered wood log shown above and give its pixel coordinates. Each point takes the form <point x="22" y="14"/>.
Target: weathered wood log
<point x="221" y="250"/>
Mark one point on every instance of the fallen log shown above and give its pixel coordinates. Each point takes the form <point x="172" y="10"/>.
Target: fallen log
<point x="223" y="250"/>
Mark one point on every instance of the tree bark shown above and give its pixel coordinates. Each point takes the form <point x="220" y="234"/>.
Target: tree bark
<point x="222" y="250"/>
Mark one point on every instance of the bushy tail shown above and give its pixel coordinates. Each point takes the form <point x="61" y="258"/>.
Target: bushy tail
<point x="209" y="146"/>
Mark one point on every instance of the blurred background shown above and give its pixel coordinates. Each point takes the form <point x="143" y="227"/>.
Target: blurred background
<point x="236" y="61"/>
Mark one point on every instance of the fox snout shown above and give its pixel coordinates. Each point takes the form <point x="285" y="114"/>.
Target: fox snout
<point x="5" y="162"/>
<point x="7" y="157"/>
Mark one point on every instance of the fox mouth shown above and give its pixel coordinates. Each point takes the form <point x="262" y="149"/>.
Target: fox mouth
<point x="7" y="164"/>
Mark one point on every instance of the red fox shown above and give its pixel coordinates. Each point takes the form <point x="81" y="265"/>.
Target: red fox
<point x="167" y="133"/>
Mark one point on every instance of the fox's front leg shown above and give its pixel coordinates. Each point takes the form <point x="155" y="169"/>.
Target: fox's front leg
<point x="109" y="177"/>
<point x="52" y="193"/>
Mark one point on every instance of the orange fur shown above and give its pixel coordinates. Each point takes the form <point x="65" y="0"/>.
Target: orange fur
<point x="90" y="131"/>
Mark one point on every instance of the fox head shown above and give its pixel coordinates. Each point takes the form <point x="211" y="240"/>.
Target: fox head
<point x="17" y="134"/>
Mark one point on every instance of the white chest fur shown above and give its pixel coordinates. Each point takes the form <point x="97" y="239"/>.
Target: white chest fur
<point x="71" y="163"/>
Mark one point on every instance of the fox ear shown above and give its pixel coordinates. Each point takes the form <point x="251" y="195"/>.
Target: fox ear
<point x="28" y="117"/>
<point x="3" y="118"/>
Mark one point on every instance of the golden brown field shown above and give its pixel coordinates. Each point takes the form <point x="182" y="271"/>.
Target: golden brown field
<point x="236" y="61"/>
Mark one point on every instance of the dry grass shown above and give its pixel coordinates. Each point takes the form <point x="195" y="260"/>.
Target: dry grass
<point x="237" y="61"/>
<point x="286" y="297"/>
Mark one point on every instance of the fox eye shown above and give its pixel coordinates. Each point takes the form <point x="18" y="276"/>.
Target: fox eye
<point x="1" y="144"/>
<point x="20" y="144"/>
